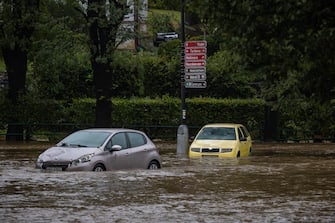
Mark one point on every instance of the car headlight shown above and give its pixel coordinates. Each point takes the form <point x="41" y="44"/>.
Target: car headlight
<point x="83" y="159"/>
<point x="226" y="150"/>
<point x="39" y="163"/>
<point x="197" y="150"/>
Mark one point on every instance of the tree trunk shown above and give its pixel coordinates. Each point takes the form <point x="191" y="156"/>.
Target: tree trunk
<point x="16" y="64"/>
<point x="271" y="124"/>
<point x="102" y="32"/>
<point x="19" y="17"/>
<point x="102" y="82"/>
<point x="103" y="111"/>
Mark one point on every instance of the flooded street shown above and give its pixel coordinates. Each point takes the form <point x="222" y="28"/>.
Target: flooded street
<point x="278" y="183"/>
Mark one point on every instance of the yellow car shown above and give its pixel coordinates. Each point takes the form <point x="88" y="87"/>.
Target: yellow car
<point x="221" y="140"/>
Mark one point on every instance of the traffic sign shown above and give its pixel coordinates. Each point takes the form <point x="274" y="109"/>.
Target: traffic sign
<point x="195" y="50"/>
<point x="201" y="43"/>
<point x="195" y="63"/>
<point x="195" y="84"/>
<point x="194" y="77"/>
<point x="195" y="69"/>
<point x="195" y="57"/>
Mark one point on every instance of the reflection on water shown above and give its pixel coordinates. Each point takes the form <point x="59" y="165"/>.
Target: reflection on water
<point x="279" y="183"/>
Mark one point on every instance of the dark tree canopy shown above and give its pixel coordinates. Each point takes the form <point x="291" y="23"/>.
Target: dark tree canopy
<point x="288" y="42"/>
<point x="17" y="20"/>
<point x="280" y="51"/>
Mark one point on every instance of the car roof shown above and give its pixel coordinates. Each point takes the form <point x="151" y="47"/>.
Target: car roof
<point x="231" y="125"/>
<point x="111" y="130"/>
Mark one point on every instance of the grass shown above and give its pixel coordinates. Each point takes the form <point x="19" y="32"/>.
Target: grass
<point x="2" y="65"/>
<point x="174" y="16"/>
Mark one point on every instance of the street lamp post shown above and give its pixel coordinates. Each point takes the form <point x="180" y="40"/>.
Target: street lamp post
<point x="182" y="134"/>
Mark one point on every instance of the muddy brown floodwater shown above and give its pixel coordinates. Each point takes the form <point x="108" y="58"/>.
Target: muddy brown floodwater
<point x="278" y="183"/>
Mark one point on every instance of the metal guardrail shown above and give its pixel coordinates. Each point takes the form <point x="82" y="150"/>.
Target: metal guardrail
<point x="55" y="132"/>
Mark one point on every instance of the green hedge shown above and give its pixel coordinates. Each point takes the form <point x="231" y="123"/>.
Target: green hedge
<point x="159" y="117"/>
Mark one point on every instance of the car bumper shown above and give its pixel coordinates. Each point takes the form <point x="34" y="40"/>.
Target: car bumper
<point x="219" y="155"/>
<point x="87" y="166"/>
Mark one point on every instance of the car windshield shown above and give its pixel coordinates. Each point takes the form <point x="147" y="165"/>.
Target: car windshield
<point x="217" y="133"/>
<point x="85" y="139"/>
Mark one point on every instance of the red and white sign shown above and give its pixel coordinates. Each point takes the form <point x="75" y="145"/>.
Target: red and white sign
<point x="195" y="64"/>
<point x="196" y="50"/>
<point x="195" y="53"/>
<point x="201" y="43"/>
<point x="195" y="57"/>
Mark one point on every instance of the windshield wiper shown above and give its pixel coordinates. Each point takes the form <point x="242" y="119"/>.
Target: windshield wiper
<point x="78" y="145"/>
<point x="64" y="144"/>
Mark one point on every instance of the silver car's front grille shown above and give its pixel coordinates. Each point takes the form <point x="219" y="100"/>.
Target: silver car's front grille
<point x="60" y="165"/>
<point x="210" y="150"/>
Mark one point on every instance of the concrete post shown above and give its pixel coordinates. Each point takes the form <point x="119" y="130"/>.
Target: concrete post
<point x="182" y="140"/>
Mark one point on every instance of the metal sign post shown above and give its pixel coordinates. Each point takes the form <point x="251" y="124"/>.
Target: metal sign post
<point x="193" y="75"/>
<point x="182" y="134"/>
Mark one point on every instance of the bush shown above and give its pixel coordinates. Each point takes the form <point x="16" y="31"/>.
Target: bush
<point x="158" y="117"/>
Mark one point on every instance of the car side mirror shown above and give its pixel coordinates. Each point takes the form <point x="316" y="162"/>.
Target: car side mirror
<point x="191" y="139"/>
<point x="115" y="148"/>
<point x="242" y="139"/>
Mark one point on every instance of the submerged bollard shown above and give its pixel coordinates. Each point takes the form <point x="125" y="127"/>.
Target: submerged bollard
<point x="182" y="140"/>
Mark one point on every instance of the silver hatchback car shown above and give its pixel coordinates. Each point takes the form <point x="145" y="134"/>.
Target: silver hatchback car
<point x="101" y="150"/>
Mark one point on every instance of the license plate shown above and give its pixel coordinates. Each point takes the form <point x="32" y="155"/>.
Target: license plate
<point x="210" y="155"/>
<point x="54" y="169"/>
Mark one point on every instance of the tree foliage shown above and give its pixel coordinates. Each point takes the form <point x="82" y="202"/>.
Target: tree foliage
<point x="60" y="53"/>
<point x="165" y="4"/>
<point x="289" y="44"/>
<point x="159" y="22"/>
<point x="282" y="40"/>
<point x="17" y="20"/>
<point x="104" y="19"/>
<point x="279" y="50"/>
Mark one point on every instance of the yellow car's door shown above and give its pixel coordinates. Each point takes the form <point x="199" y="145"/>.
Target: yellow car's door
<point x="244" y="143"/>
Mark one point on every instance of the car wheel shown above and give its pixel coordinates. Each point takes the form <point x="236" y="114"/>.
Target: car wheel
<point x="153" y="165"/>
<point x="99" y="168"/>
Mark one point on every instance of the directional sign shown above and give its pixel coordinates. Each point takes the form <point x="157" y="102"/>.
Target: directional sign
<point x="192" y="76"/>
<point x="195" y="57"/>
<point x="195" y="84"/>
<point x="195" y="50"/>
<point x="195" y="70"/>
<point x="195" y="63"/>
<point x="201" y="43"/>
